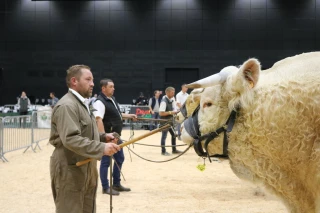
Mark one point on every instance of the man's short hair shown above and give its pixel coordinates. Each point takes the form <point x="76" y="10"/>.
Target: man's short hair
<point x="104" y="82"/>
<point x="75" y="71"/>
<point x="168" y="89"/>
<point x="183" y="85"/>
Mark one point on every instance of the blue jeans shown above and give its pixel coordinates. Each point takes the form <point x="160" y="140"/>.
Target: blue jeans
<point x="154" y="116"/>
<point x="164" y="137"/>
<point x="104" y="168"/>
<point x="178" y="129"/>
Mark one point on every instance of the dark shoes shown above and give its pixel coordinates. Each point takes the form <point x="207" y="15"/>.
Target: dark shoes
<point x="165" y="153"/>
<point x="121" y="188"/>
<point x="176" y="152"/>
<point x="173" y="152"/>
<point x="107" y="191"/>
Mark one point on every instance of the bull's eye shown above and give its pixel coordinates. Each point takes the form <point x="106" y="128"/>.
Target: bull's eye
<point x="207" y="104"/>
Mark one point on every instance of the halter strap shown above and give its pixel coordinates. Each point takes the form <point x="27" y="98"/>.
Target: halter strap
<point x="192" y="127"/>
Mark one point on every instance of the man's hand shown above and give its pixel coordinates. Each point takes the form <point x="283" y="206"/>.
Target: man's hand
<point x="112" y="137"/>
<point x="172" y="112"/>
<point x="110" y="149"/>
<point x="133" y="117"/>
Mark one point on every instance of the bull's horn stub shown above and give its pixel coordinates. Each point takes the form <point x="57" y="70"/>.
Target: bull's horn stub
<point x="206" y="82"/>
<point x="214" y="79"/>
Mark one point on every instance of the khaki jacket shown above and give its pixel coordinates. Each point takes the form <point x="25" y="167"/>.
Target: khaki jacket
<point x="75" y="136"/>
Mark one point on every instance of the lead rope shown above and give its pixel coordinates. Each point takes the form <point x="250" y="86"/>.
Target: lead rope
<point x="111" y="178"/>
<point x="111" y="184"/>
<point x="163" y="161"/>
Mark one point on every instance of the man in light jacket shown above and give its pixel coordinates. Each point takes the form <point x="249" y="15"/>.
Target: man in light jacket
<point x="75" y="136"/>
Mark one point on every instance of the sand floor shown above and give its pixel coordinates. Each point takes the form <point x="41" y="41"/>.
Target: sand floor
<point x="176" y="186"/>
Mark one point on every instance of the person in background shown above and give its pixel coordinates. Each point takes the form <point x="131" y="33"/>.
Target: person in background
<point x="161" y="95"/>
<point x="154" y="104"/>
<point x="23" y="103"/>
<point x="167" y="110"/>
<point x="141" y="100"/>
<point x="181" y="98"/>
<point x="109" y="119"/>
<point x="54" y="99"/>
<point x="75" y="136"/>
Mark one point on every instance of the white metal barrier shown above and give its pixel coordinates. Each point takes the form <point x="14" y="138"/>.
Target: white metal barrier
<point x="16" y="134"/>
<point x="24" y="132"/>
<point x="41" y="126"/>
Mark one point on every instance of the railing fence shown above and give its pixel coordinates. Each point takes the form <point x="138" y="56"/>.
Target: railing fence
<point x="24" y="132"/>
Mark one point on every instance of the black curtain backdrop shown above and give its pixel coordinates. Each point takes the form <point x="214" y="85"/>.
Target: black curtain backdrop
<point x="133" y="42"/>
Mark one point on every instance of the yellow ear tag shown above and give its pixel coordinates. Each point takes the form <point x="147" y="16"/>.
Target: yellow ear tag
<point x="251" y="84"/>
<point x="201" y="167"/>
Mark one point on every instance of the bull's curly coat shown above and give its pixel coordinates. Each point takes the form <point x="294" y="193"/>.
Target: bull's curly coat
<point x="276" y="138"/>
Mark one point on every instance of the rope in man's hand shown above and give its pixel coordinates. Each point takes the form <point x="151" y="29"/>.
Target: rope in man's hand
<point x="80" y="163"/>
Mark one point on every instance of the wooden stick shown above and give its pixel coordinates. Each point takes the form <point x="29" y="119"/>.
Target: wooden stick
<point x="80" y="163"/>
<point x="152" y="119"/>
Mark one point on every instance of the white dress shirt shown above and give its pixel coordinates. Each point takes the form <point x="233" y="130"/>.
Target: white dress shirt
<point x="85" y="101"/>
<point x="181" y="97"/>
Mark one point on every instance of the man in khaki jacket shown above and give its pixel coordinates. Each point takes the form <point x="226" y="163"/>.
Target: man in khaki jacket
<point x="75" y="136"/>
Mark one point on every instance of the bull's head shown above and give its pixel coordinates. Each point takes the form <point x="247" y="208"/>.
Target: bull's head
<point x="229" y="88"/>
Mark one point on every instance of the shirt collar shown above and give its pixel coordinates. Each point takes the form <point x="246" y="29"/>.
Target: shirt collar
<point x="82" y="99"/>
<point x="171" y="99"/>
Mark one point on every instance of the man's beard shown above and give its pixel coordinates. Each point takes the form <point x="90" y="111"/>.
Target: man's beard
<point x="87" y="94"/>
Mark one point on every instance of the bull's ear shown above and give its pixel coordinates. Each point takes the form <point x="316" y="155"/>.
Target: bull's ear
<point x="249" y="72"/>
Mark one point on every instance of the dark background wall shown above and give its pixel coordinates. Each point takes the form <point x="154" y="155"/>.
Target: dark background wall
<point x="133" y="42"/>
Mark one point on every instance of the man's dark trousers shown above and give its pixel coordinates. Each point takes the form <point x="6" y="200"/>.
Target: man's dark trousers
<point x="104" y="167"/>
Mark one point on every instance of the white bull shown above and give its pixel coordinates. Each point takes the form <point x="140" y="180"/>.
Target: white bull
<point x="275" y="140"/>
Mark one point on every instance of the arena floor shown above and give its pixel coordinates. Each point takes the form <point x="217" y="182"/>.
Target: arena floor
<point x="173" y="187"/>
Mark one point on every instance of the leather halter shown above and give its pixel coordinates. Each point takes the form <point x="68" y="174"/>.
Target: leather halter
<point x="183" y="111"/>
<point x="192" y="127"/>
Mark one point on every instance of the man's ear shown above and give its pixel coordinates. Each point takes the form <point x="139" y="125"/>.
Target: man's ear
<point x="73" y="81"/>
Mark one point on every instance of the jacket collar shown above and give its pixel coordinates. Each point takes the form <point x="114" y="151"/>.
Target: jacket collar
<point x="84" y="101"/>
